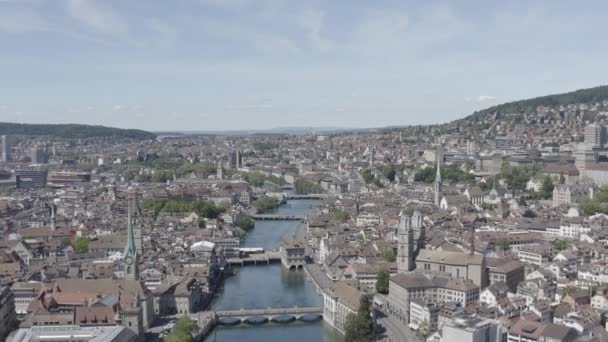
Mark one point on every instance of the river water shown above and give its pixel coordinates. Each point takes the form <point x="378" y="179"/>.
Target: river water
<point x="271" y="285"/>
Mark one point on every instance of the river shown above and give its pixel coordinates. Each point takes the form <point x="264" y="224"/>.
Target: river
<point x="265" y="286"/>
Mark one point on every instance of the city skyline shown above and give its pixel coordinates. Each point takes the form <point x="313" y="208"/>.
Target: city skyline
<point x="243" y="64"/>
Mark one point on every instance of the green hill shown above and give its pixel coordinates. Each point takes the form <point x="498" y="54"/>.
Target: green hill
<point x="527" y="106"/>
<point x="73" y="131"/>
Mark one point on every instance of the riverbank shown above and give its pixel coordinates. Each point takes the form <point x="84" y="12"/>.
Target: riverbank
<point x="272" y="286"/>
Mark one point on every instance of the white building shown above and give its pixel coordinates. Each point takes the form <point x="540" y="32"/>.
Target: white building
<point x="338" y="303"/>
<point x="469" y="330"/>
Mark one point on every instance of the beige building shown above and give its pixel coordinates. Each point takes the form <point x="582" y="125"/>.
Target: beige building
<point x="292" y="254"/>
<point x="406" y="287"/>
<point x="455" y="264"/>
<point x="339" y="302"/>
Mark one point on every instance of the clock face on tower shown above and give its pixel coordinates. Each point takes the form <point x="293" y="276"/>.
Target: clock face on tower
<point x="129" y="260"/>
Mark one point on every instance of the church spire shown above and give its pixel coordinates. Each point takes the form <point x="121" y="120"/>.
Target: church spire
<point x="438" y="179"/>
<point x="130" y="248"/>
<point x="438" y="176"/>
<point x="131" y="257"/>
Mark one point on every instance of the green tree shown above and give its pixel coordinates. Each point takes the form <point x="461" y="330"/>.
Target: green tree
<point x="246" y="223"/>
<point x="423" y="329"/>
<point x="503" y="244"/>
<point x="81" y="245"/>
<point x="358" y="327"/>
<point x="591" y="207"/>
<point x="182" y="331"/>
<point x="561" y="244"/>
<point x="265" y="203"/>
<point x="201" y="222"/>
<point x="305" y="187"/>
<point x="389" y="254"/>
<point x="338" y="214"/>
<point x="367" y="175"/>
<point x="65" y="241"/>
<point x="547" y="189"/>
<point x="382" y="278"/>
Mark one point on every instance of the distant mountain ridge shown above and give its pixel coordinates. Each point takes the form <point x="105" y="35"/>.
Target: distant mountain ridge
<point x="73" y="131"/>
<point x="273" y="131"/>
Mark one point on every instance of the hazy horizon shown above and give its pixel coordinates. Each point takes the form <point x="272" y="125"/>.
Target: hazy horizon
<point x="217" y="65"/>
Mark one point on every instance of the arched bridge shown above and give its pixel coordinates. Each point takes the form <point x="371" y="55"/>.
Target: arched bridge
<point x="278" y="217"/>
<point x="269" y="312"/>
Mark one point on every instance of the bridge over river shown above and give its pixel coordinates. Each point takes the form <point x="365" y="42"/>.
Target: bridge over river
<point x="279" y="217"/>
<point x="255" y="258"/>
<point x="269" y="312"/>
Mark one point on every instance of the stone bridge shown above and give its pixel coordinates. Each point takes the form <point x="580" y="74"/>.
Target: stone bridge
<point x="279" y="217"/>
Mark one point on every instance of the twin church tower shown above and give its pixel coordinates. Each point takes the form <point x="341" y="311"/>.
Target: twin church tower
<point x="411" y="232"/>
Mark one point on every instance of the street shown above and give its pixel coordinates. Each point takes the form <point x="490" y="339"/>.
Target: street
<point x="395" y="331"/>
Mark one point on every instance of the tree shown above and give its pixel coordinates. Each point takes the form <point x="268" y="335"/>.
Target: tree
<point x="201" y="222"/>
<point x="182" y="331"/>
<point x="81" y="245"/>
<point x="389" y="254"/>
<point x="65" y="241"/>
<point x="547" y="189"/>
<point x="504" y="244"/>
<point x="305" y="187"/>
<point x="358" y="327"/>
<point x="338" y="214"/>
<point x="382" y="281"/>
<point x="265" y="203"/>
<point x="522" y="201"/>
<point x="423" y="329"/>
<point x="246" y="223"/>
<point x="560" y="245"/>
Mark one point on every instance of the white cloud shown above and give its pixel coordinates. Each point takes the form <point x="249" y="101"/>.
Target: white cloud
<point x="231" y="4"/>
<point x="486" y="98"/>
<point x="253" y="106"/>
<point x="99" y="19"/>
<point x="165" y="35"/>
<point x="21" y="21"/>
<point x="256" y="39"/>
<point x="311" y="21"/>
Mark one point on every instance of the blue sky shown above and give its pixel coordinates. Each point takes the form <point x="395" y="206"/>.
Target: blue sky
<point x="254" y="64"/>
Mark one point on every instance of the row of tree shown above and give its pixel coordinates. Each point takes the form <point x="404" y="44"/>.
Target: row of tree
<point x="182" y="331"/>
<point x="265" y="203"/>
<point x="203" y="208"/>
<point x="305" y="187"/>
<point x="451" y="172"/>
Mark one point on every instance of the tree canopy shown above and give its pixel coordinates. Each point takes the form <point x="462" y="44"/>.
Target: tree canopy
<point x="305" y="187"/>
<point x="265" y="203"/>
<point x="203" y="208"/>
<point x="74" y="131"/>
<point x="527" y="106"/>
<point x="182" y="331"/>
<point x="382" y="278"/>
<point x="358" y="327"/>
<point x="81" y="245"/>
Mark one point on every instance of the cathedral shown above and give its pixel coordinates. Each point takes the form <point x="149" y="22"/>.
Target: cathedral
<point x="410" y="240"/>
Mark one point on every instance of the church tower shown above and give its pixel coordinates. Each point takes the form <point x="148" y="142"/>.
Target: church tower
<point x="220" y="171"/>
<point x="131" y="257"/>
<point x="405" y="245"/>
<point x="419" y="232"/>
<point x="438" y="179"/>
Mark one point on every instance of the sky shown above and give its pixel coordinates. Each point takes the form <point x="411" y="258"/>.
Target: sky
<point x="258" y="64"/>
